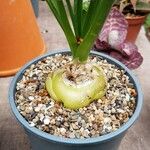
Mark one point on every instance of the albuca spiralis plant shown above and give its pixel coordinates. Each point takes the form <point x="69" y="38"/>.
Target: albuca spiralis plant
<point x="81" y="31"/>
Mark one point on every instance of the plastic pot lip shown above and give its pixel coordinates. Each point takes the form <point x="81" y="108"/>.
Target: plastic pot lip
<point x="62" y="140"/>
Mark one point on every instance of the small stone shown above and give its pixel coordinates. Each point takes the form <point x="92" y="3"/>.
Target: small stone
<point x="66" y="124"/>
<point x="46" y="121"/>
<point x="28" y="110"/>
<point x="32" y="124"/>
<point x="22" y="108"/>
<point x="95" y="127"/>
<point x="107" y="120"/>
<point x="83" y="123"/>
<point x="113" y="117"/>
<point x="53" y="121"/>
<point x="120" y="111"/>
<point x="41" y="117"/>
<point x="97" y="111"/>
<point x="59" y="118"/>
<point x="127" y="97"/>
<point x="91" y="118"/>
<point x="37" y="109"/>
<point x="78" y="135"/>
<point x="58" y="123"/>
<point x="31" y="98"/>
<point x="113" y="110"/>
<point x="72" y="135"/>
<point x="93" y="132"/>
<point x="52" y="103"/>
<point x="100" y="101"/>
<point x="74" y="126"/>
<point x="60" y="111"/>
<point x="35" y="120"/>
<point x="79" y="119"/>
<point x="21" y="97"/>
<point x="45" y="31"/>
<point x="23" y="113"/>
<point x="86" y="133"/>
<point x="63" y="131"/>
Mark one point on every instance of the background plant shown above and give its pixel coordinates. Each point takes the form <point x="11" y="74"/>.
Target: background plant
<point x="112" y="41"/>
<point x="147" y="26"/>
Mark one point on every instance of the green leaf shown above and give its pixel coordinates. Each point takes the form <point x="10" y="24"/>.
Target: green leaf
<point x="147" y="21"/>
<point x="59" y="11"/>
<point x="52" y="5"/>
<point x="86" y="26"/>
<point x="90" y="14"/>
<point x="78" y="16"/>
<point x="86" y="4"/>
<point x="102" y="10"/>
<point x="71" y="13"/>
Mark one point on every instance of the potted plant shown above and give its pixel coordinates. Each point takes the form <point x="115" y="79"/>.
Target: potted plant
<point x="80" y="103"/>
<point x="135" y="12"/>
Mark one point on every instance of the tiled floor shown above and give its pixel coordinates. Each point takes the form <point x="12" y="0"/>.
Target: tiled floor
<point x="12" y="136"/>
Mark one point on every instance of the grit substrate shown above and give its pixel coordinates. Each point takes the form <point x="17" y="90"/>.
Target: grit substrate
<point x="102" y="116"/>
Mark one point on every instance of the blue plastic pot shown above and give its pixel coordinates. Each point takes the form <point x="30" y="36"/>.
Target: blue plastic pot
<point x="35" y="5"/>
<point x="44" y="141"/>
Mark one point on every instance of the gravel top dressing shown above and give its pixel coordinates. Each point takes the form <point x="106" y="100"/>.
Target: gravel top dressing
<point x="102" y="116"/>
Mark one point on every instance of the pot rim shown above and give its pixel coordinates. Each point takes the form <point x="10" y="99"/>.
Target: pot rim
<point x="57" y="139"/>
<point x="136" y="18"/>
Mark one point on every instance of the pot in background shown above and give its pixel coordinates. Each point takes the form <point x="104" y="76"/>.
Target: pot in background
<point x="40" y="140"/>
<point x="35" y="5"/>
<point x="134" y="26"/>
<point x="20" y="38"/>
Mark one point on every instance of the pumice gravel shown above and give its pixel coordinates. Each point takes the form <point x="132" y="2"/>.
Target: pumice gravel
<point x="102" y="116"/>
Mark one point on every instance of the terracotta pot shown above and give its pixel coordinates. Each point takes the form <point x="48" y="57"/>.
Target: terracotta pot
<point x="20" y="39"/>
<point x="134" y="27"/>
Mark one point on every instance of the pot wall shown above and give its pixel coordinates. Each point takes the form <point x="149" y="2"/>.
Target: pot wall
<point x="134" y="26"/>
<point x="38" y="143"/>
<point x="20" y="39"/>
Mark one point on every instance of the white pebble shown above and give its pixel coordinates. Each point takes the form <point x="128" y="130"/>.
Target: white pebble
<point x="120" y="111"/>
<point x="91" y="117"/>
<point x="86" y="133"/>
<point x="46" y="121"/>
<point x="37" y="109"/>
<point x="32" y="124"/>
<point x="71" y="135"/>
<point x="21" y="97"/>
<point x="127" y="97"/>
<point x="31" y="98"/>
<point x="41" y="117"/>
<point x="113" y="110"/>
<point x="62" y="131"/>
<point x="107" y="120"/>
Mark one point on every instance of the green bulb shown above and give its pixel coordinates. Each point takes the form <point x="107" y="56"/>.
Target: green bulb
<point x="75" y="96"/>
